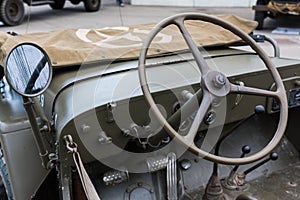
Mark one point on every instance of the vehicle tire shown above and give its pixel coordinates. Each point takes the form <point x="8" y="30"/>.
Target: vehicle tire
<point x="58" y="4"/>
<point x="75" y="2"/>
<point x="12" y="12"/>
<point x="5" y="187"/>
<point x="260" y="16"/>
<point x="92" y="5"/>
<point x="1" y="73"/>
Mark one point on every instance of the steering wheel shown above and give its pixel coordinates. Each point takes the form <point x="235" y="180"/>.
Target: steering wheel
<point x="214" y="84"/>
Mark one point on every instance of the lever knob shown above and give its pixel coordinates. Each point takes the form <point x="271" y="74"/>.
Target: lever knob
<point x="259" y="109"/>
<point x="246" y="149"/>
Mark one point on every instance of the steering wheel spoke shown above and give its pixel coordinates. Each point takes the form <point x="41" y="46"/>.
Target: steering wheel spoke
<point x="252" y="91"/>
<point x="205" y="105"/>
<point x="204" y="68"/>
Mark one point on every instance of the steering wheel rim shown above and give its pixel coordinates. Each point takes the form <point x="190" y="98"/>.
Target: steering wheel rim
<point x="214" y="83"/>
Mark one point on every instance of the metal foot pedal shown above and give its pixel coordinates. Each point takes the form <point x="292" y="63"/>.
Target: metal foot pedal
<point x="172" y="177"/>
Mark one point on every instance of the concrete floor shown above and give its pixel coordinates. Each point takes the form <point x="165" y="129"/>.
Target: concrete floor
<point x="43" y="18"/>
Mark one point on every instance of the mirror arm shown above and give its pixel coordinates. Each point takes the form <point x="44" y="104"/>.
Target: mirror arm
<point x="28" y="105"/>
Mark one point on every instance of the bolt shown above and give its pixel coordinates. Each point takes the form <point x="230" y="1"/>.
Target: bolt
<point x="185" y="164"/>
<point x="220" y="80"/>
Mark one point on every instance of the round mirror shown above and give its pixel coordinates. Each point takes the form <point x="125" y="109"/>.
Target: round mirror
<point x="28" y="69"/>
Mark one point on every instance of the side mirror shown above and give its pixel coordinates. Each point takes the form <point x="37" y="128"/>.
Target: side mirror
<point x="28" y="69"/>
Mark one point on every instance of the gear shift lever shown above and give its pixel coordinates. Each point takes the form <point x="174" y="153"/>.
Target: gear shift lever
<point x="245" y="150"/>
<point x="231" y="181"/>
<point x="236" y="180"/>
<point x="273" y="156"/>
<point x="214" y="188"/>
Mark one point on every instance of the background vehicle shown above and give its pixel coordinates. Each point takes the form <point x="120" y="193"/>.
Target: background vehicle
<point x="226" y="109"/>
<point x="274" y="9"/>
<point x="12" y="12"/>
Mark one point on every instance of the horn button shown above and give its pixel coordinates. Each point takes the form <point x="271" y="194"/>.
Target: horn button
<point x="216" y="83"/>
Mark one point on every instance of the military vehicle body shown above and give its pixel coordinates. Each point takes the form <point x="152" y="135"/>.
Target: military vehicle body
<point x="275" y="9"/>
<point x="202" y="122"/>
<point x="12" y="12"/>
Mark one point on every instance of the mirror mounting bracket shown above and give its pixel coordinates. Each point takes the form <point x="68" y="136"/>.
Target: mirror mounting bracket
<point x="43" y="152"/>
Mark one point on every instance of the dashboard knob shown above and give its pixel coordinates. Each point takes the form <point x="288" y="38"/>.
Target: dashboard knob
<point x="273" y="156"/>
<point x="260" y="109"/>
